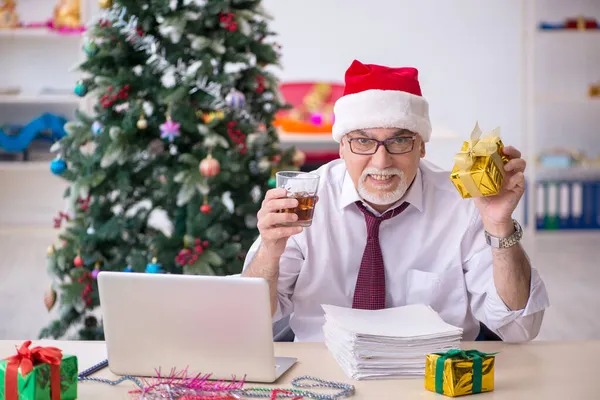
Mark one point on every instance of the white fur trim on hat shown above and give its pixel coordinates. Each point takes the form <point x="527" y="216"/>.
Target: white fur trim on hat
<point x="381" y="109"/>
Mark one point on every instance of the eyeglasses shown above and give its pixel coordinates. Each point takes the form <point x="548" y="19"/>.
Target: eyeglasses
<point x="393" y="145"/>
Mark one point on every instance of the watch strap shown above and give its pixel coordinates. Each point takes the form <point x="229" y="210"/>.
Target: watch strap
<point x="509" y="241"/>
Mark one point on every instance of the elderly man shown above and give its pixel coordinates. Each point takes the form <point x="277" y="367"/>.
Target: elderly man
<point x="390" y="229"/>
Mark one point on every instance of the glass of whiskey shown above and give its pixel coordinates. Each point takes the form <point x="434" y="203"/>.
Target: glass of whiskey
<point x="302" y="186"/>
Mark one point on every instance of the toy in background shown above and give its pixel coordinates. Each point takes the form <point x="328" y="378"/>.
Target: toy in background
<point x="65" y="20"/>
<point x="580" y="23"/>
<point x="594" y="89"/>
<point x="9" y="18"/>
<point x="19" y="137"/>
<point x="311" y="107"/>
<point x="67" y="14"/>
<point x="561" y="158"/>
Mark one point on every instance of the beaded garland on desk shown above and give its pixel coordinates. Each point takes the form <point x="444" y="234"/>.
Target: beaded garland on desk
<point x="177" y="386"/>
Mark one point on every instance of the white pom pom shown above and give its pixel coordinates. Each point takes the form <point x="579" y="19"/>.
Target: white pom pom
<point x="114" y="132"/>
<point x="159" y="220"/>
<point x="148" y="109"/>
<point x="227" y="202"/>
<point x="138" y="69"/>
<point x="168" y="80"/>
<point x="250" y="221"/>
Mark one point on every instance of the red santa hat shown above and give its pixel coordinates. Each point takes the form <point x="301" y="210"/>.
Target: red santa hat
<point x="376" y="96"/>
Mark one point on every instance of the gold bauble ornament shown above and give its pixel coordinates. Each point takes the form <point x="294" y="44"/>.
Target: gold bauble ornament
<point x="105" y="3"/>
<point x="50" y="298"/>
<point x="51" y="250"/>
<point x="209" y="117"/>
<point x="142" y="123"/>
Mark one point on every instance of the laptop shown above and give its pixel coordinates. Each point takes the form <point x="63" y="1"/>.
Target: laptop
<point x="217" y="325"/>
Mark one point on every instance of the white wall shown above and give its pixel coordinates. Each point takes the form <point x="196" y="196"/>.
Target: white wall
<point x="34" y="63"/>
<point x="566" y="63"/>
<point x="468" y="52"/>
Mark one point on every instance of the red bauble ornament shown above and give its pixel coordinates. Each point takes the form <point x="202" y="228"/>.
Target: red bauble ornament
<point x="78" y="261"/>
<point x="210" y="166"/>
<point x="205" y="208"/>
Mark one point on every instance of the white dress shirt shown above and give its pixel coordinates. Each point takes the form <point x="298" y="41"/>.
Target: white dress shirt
<point x="434" y="253"/>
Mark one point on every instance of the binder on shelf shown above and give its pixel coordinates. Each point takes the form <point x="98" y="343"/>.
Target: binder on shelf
<point x="576" y="197"/>
<point x="540" y="207"/>
<point x="564" y="205"/>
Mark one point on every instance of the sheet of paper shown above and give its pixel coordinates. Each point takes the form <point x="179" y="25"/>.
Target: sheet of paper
<point x="386" y="343"/>
<point x="408" y="321"/>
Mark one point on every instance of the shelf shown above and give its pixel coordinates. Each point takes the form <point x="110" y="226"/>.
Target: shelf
<point x="39" y="99"/>
<point x="568" y="31"/>
<point x="566" y="99"/>
<point x="568" y="174"/>
<point x="37" y="33"/>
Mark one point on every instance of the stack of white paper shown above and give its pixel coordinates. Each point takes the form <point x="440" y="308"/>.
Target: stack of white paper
<point x="388" y="343"/>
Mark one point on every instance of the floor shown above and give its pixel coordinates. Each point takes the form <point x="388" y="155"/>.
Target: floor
<point x="31" y="196"/>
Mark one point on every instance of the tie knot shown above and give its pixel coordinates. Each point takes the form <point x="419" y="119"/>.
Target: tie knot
<point x="374" y="221"/>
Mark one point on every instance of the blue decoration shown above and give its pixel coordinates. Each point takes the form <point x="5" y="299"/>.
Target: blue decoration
<point x="128" y="269"/>
<point x="80" y="89"/>
<point x="58" y="166"/>
<point x="46" y="122"/>
<point x="90" y="48"/>
<point x="154" y="267"/>
<point x="97" y="127"/>
<point x="235" y="99"/>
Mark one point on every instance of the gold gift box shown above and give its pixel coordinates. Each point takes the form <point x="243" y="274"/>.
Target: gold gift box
<point x="459" y="372"/>
<point x="479" y="166"/>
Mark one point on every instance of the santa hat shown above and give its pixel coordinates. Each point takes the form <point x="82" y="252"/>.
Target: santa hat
<point x="381" y="97"/>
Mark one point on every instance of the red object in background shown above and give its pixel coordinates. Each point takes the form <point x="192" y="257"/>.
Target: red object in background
<point x="294" y="94"/>
<point x="581" y="23"/>
<point x="320" y="157"/>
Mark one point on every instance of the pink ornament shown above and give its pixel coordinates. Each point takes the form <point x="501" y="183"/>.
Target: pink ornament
<point x="95" y="273"/>
<point x="210" y="166"/>
<point x="316" y="118"/>
<point x="170" y="130"/>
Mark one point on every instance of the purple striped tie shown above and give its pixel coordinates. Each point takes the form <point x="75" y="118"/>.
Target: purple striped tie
<point x="369" y="293"/>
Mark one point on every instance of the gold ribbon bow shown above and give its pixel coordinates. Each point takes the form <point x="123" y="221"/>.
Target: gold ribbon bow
<point x="462" y="175"/>
<point x="477" y="147"/>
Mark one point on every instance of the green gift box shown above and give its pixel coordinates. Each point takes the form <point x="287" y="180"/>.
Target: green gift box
<point x="39" y="373"/>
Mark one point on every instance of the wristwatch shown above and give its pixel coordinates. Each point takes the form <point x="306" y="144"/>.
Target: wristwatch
<point x="503" y="243"/>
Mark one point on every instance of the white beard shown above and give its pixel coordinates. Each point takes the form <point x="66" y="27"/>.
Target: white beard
<point x="385" y="196"/>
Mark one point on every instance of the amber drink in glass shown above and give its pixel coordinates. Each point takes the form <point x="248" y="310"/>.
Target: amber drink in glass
<point x="302" y="186"/>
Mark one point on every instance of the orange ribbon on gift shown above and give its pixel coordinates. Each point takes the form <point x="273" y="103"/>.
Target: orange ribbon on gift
<point x="26" y="358"/>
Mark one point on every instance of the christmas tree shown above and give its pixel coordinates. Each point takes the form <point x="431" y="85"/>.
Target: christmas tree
<point x="168" y="172"/>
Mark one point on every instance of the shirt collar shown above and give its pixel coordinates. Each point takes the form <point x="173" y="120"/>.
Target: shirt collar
<point x="414" y="195"/>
